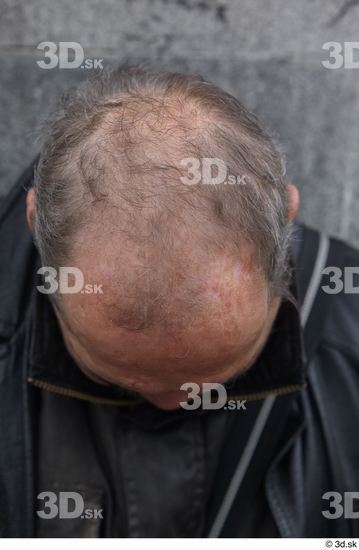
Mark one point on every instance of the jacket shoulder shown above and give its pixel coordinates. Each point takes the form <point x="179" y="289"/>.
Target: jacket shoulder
<point x="17" y="256"/>
<point x="336" y="306"/>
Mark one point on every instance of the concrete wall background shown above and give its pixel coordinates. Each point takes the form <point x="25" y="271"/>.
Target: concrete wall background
<point x="266" y="52"/>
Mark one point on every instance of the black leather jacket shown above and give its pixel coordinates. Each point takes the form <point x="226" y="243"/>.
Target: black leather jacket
<point x="307" y="438"/>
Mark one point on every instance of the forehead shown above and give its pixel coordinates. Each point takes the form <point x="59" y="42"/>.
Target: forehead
<point x="234" y="308"/>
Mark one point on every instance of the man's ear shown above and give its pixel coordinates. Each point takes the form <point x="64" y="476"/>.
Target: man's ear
<point x="30" y="208"/>
<point x="294" y="201"/>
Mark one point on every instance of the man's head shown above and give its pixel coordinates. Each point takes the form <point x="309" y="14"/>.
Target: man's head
<point x="192" y="275"/>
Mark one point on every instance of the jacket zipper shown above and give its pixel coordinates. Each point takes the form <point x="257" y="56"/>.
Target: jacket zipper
<point x="125" y="402"/>
<point x="84" y="396"/>
<point x="261" y="395"/>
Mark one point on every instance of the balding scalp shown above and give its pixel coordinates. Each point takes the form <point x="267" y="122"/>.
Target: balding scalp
<point x="112" y="161"/>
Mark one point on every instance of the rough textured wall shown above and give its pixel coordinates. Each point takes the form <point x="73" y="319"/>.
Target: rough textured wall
<point x="266" y="52"/>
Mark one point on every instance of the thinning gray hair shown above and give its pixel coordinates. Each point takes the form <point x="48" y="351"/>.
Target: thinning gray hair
<point x="112" y="135"/>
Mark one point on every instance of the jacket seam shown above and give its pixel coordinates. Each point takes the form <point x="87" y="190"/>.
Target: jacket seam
<point x="343" y="347"/>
